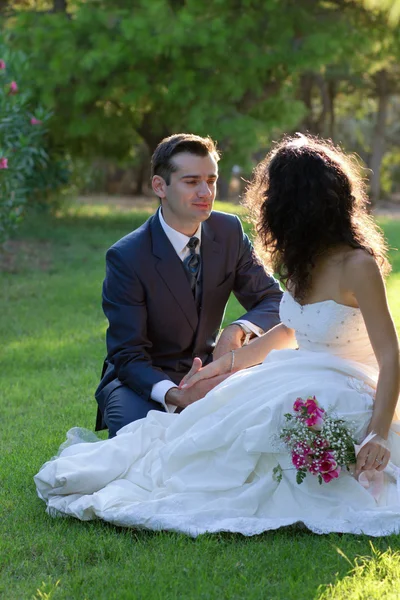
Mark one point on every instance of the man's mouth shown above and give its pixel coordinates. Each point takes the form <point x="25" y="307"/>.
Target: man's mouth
<point x="202" y="204"/>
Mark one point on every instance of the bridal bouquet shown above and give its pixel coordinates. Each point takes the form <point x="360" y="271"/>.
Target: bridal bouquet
<point x="319" y="442"/>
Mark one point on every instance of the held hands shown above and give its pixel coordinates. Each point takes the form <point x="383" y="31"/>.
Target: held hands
<point x="231" y="339"/>
<point x="218" y="369"/>
<point x="182" y="396"/>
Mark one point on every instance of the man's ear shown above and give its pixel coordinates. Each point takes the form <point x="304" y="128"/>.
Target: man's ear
<point x="159" y="186"/>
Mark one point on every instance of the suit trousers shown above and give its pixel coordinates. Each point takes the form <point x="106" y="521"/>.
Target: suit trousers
<point x="123" y="406"/>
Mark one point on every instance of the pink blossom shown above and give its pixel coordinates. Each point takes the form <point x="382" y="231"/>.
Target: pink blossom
<point x="315" y="421"/>
<point x="35" y="121"/>
<point x="315" y="412"/>
<point x="299" y="460"/>
<point x="2" y="65"/>
<point x="298" y="405"/>
<point x="327" y="477"/>
<point x="329" y="457"/>
<point x="329" y="469"/>
<point x="302" y="448"/>
<point x="13" y="88"/>
<point x="3" y="163"/>
<point x="314" y="467"/>
<point x="321" y="443"/>
<point x="312" y="405"/>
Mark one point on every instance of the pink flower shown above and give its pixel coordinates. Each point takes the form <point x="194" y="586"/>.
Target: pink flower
<point x="2" y="65"/>
<point x="321" y="443"/>
<point x="35" y="121"/>
<point x="13" y="88"/>
<point x="329" y="469"/>
<point x="327" y="477"/>
<point x="298" y="405"/>
<point x="3" y="163"/>
<point x="299" y="460"/>
<point x="315" y="421"/>
<point x="302" y="448"/>
<point x="315" y="412"/>
<point x="314" y="467"/>
<point x="312" y="405"/>
<point x="328" y="463"/>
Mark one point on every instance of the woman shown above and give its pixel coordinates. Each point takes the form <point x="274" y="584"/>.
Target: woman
<point x="211" y="467"/>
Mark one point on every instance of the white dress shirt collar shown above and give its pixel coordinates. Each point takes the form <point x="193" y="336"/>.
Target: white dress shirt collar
<point x="178" y="240"/>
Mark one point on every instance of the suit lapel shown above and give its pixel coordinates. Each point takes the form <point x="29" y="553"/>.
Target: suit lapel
<point x="170" y="269"/>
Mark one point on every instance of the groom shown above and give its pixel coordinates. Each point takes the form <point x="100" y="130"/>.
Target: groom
<point x="166" y="288"/>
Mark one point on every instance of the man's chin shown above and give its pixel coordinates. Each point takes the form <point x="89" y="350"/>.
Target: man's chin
<point x="203" y="212"/>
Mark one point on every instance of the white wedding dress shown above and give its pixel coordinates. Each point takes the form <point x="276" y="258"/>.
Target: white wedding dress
<point x="210" y="468"/>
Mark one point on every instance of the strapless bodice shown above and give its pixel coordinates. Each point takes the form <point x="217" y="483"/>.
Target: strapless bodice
<point x="328" y="327"/>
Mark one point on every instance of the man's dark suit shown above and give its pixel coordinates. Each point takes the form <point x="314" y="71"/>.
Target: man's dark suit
<point x="155" y="329"/>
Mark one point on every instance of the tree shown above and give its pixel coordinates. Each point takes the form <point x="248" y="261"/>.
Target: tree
<point x="115" y="74"/>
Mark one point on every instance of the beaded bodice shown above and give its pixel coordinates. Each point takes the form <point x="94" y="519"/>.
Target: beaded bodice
<point x="328" y="327"/>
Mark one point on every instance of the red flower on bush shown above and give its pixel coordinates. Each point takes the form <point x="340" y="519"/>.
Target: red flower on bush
<point x="13" y="88"/>
<point x="3" y="163"/>
<point x="35" y="121"/>
<point x="2" y="65"/>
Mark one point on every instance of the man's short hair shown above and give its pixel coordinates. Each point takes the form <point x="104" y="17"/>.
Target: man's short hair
<point x="161" y="163"/>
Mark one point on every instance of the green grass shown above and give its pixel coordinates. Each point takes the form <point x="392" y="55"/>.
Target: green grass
<point x="52" y="345"/>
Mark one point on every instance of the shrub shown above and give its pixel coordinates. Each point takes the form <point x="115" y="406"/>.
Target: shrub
<point x="29" y="175"/>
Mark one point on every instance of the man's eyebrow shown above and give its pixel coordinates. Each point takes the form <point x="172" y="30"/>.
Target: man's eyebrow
<point x="211" y="175"/>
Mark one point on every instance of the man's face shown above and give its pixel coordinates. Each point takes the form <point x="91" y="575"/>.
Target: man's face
<point x="188" y="199"/>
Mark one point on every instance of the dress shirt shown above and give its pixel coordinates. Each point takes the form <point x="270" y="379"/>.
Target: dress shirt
<point x="179" y="242"/>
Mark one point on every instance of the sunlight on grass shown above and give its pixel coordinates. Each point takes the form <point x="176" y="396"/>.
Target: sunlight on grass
<point x="147" y="207"/>
<point x="53" y="342"/>
<point x="375" y="577"/>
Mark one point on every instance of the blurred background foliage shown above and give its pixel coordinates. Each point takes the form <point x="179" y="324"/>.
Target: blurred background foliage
<point x="118" y="75"/>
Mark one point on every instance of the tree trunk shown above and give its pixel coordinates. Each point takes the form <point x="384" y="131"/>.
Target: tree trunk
<point x="60" y="6"/>
<point x="305" y="92"/>
<point x="151" y="132"/>
<point x="142" y="171"/>
<point x="331" y="119"/>
<point x="4" y="6"/>
<point x="222" y="187"/>
<point x="378" y="136"/>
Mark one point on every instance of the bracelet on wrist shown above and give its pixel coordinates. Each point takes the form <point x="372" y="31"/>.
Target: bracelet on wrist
<point x="232" y="361"/>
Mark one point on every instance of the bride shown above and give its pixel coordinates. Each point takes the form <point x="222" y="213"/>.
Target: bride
<point x="211" y="467"/>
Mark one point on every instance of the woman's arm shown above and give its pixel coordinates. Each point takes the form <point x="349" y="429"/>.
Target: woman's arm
<point x="277" y="338"/>
<point x="363" y="278"/>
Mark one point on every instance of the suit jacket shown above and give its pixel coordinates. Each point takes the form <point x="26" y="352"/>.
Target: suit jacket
<point x="155" y="329"/>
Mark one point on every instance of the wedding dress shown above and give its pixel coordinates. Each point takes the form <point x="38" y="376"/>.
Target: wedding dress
<point x="210" y="468"/>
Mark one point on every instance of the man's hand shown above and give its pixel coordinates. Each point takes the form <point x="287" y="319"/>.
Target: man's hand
<point x="231" y="338"/>
<point x="183" y="397"/>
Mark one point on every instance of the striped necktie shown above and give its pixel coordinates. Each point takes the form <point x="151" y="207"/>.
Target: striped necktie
<point x="192" y="263"/>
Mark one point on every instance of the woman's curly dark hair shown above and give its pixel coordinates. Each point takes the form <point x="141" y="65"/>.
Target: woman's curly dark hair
<point x="306" y="197"/>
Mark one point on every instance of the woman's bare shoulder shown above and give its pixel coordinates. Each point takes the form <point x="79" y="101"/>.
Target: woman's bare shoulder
<point x="361" y="272"/>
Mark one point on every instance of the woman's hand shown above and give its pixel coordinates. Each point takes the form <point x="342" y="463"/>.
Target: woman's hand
<point x="373" y="455"/>
<point x="197" y="373"/>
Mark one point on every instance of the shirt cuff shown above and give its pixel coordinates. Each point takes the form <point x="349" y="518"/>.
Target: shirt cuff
<point x="253" y="328"/>
<point x="159" y="391"/>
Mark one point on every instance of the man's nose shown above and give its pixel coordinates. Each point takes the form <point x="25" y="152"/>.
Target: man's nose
<point x="204" y="189"/>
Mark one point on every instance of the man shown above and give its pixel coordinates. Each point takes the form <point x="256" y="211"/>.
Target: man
<point x="166" y="288"/>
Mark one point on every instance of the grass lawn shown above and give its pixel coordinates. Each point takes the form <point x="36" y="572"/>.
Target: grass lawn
<point x="52" y="345"/>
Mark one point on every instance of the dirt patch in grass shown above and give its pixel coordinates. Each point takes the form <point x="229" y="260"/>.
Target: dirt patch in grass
<point x="17" y="256"/>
